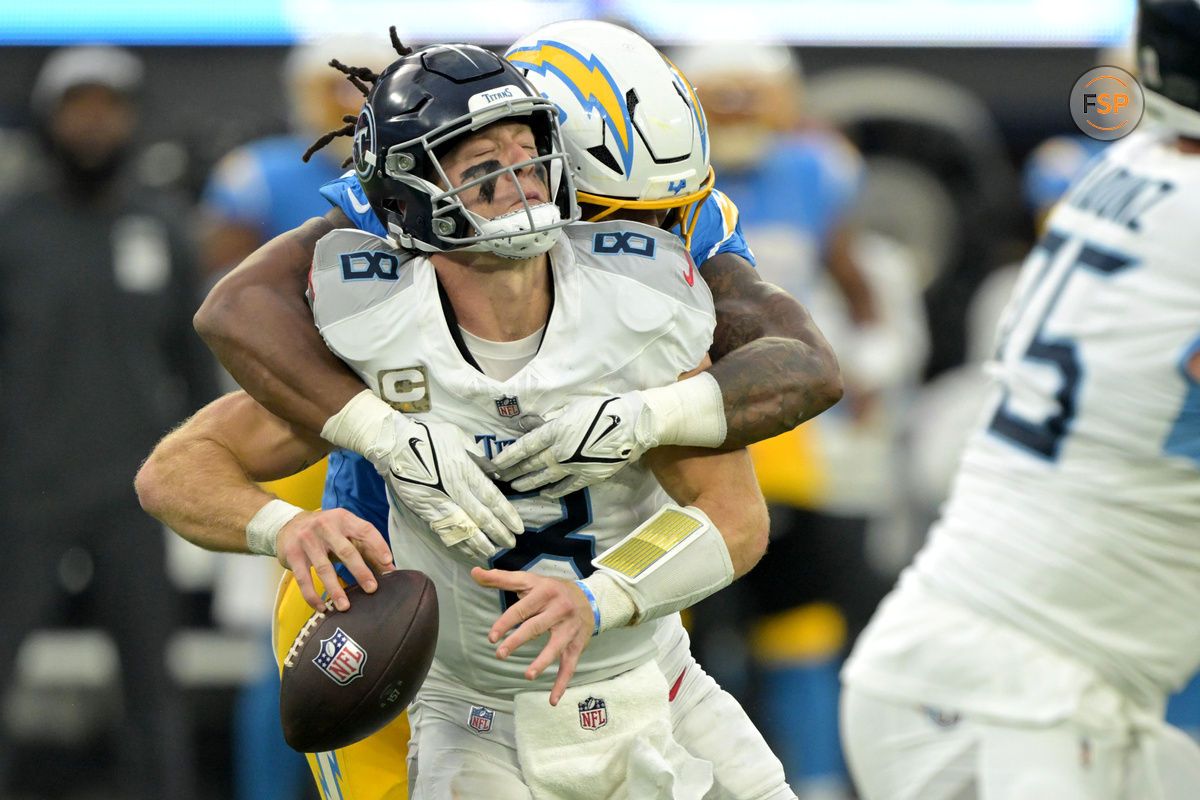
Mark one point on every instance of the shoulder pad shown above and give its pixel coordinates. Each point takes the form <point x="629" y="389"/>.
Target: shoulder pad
<point x="354" y="270"/>
<point x="649" y="255"/>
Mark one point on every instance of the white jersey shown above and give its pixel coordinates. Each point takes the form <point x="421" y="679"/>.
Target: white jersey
<point x="630" y="312"/>
<point x="1074" y="521"/>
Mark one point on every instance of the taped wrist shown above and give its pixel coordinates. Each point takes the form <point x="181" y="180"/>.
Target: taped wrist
<point x="688" y="412"/>
<point x="670" y="561"/>
<point x="612" y="606"/>
<point x="263" y="528"/>
<point x="362" y="426"/>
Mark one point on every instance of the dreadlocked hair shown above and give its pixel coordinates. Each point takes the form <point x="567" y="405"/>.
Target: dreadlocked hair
<point x="363" y="79"/>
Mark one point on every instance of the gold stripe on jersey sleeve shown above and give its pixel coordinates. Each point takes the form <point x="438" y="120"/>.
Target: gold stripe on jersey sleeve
<point x="649" y="543"/>
<point x="729" y="213"/>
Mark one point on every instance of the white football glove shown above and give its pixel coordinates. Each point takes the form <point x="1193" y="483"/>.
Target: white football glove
<point x="595" y="437"/>
<point x="430" y="467"/>
<point x="591" y="440"/>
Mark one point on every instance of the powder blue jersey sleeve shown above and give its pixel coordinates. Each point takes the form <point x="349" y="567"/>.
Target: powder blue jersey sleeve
<point x="718" y="230"/>
<point x="346" y="193"/>
<point x="352" y="483"/>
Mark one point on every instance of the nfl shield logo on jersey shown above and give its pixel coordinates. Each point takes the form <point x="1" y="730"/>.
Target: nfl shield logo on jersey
<point x="508" y="406"/>
<point x="341" y="658"/>
<point x="481" y="718"/>
<point x="593" y="714"/>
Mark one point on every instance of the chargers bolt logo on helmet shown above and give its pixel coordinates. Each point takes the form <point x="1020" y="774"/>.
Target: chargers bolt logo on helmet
<point x="635" y="132"/>
<point x="591" y="83"/>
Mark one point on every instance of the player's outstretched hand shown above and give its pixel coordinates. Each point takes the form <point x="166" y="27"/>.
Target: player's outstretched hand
<point x="546" y="604"/>
<point x="431" y="469"/>
<point x="590" y="441"/>
<point x="317" y="539"/>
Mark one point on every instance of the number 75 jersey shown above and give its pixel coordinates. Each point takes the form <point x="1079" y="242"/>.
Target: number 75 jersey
<point x="1076" y="511"/>
<point x="630" y="312"/>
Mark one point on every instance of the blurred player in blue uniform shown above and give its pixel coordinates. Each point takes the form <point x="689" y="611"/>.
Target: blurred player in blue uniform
<point x="263" y="188"/>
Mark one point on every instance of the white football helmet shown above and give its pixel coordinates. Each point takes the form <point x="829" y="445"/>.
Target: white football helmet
<point x="634" y="131"/>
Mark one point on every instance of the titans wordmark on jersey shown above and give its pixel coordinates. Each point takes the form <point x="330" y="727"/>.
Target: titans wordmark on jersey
<point x="627" y="314"/>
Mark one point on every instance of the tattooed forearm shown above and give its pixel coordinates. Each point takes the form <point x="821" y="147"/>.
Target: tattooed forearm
<point x="258" y="324"/>
<point x="770" y="386"/>
<point x="774" y="367"/>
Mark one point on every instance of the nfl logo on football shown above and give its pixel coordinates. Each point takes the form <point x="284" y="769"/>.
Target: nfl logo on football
<point x="593" y="714"/>
<point x="481" y="718"/>
<point x="341" y="658"/>
<point x="508" y="406"/>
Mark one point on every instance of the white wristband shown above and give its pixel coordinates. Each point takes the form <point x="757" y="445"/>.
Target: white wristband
<point x="359" y="424"/>
<point x="688" y="412"/>
<point x="265" y="525"/>
<point x="612" y="605"/>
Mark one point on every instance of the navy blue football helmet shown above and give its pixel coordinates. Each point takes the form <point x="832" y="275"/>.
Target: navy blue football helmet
<point x="417" y="109"/>
<point x="1168" y="57"/>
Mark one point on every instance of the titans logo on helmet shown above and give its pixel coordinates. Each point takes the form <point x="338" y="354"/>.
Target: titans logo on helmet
<point x="590" y="82"/>
<point x="364" y="144"/>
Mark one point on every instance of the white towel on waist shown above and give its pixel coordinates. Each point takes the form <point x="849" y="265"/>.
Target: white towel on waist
<point x="609" y="739"/>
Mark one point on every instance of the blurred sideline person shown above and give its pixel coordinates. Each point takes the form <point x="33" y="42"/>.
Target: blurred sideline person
<point x="1029" y="650"/>
<point x="98" y="362"/>
<point x="796" y="184"/>
<point x="667" y="115"/>
<point x="256" y="192"/>
<point x="489" y="721"/>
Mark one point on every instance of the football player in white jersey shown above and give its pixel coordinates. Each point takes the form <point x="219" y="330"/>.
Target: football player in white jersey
<point x="483" y="334"/>
<point x="1029" y="649"/>
<point x="630" y="150"/>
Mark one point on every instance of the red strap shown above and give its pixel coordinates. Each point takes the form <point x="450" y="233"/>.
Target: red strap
<point x="675" y="687"/>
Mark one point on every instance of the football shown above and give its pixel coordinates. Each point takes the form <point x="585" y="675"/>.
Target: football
<point x="350" y="673"/>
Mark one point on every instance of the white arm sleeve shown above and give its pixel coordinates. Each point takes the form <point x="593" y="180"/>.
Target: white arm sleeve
<point x="670" y="561"/>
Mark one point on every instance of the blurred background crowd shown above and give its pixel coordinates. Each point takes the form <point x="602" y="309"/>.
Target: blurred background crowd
<point x="891" y="167"/>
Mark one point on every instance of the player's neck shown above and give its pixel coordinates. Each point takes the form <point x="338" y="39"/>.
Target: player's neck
<point x="501" y="300"/>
